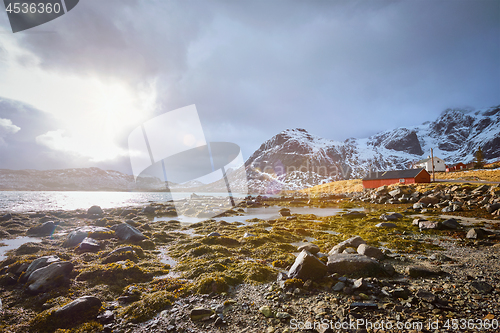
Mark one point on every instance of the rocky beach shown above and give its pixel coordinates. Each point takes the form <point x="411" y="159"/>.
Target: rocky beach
<point x="417" y="258"/>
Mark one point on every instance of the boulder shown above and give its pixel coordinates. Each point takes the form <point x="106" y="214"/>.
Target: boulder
<point x="43" y="229"/>
<point x="311" y="248"/>
<point x="451" y="224"/>
<point x="419" y="205"/>
<point x="386" y="225"/>
<point x="89" y="245"/>
<point x="481" y="287"/>
<point x="391" y="217"/>
<point x="422" y="271"/>
<point x="5" y="217"/>
<point x="198" y="314"/>
<point x="351" y="242"/>
<point x="149" y="210"/>
<point x="353" y="215"/>
<point x="128" y="233"/>
<point x="80" y="310"/>
<point x="493" y="207"/>
<point x="370" y="251"/>
<point x="49" y="276"/>
<point x="345" y="263"/>
<point x="95" y="210"/>
<point x="39" y="263"/>
<point x="285" y="212"/>
<point x="429" y="200"/>
<point x="77" y="236"/>
<point x="477" y="233"/>
<point x="429" y="225"/>
<point x="417" y="221"/>
<point x="307" y="266"/>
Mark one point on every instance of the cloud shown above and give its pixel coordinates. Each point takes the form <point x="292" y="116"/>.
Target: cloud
<point x="6" y="128"/>
<point x="338" y="68"/>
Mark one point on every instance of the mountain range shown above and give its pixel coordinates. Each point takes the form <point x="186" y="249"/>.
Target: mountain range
<point x="295" y="159"/>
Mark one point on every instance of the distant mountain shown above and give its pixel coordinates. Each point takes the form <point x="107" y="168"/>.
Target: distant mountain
<point x="295" y="159"/>
<point x="79" y="179"/>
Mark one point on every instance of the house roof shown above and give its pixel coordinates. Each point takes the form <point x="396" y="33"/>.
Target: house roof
<point x="395" y="174"/>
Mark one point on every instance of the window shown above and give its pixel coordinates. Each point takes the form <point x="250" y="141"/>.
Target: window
<point x="402" y="180"/>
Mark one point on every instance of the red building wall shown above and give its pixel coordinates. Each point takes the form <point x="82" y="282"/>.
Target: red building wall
<point x="423" y="177"/>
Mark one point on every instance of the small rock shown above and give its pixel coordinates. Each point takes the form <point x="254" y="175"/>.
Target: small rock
<point x="213" y="234"/>
<point x="200" y="314"/>
<point x="282" y="315"/>
<point x="247" y="234"/>
<point x="370" y="251"/>
<point x="426" y="296"/>
<point x="311" y="248"/>
<point x="351" y="242"/>
<point x="266" y="311"/>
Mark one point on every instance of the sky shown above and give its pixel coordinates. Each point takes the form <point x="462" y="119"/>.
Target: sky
<point x="72" y="90"/>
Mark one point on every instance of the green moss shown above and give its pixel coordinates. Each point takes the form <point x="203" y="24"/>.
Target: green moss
<point x="293" y="283"/>
<point x="224" y="241"/>
<point x="147" y="307"/>
<point x="211" y="283"/>
<point x="116" y="273"/>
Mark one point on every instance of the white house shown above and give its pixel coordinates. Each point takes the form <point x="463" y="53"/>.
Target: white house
<point x="426" y="163"/>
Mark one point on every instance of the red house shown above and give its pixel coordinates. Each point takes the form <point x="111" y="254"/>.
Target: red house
<point x="409" y="176"/>
<point x="456" y="167"/>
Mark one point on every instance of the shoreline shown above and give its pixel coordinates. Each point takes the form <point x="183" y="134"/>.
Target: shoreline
<point x="228" y="273"/>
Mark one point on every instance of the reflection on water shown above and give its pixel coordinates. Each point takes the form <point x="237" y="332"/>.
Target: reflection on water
<point x="12" y="244"/>
<point x="32" y="201"/>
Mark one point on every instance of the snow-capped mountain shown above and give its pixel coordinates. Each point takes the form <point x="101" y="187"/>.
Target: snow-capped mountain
<point x="295" y="159"/>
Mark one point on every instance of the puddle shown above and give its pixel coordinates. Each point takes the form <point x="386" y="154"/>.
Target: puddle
<point x="331" y="232"/>
<point x="166" y="259"/>
<point x="12" y="244"/>
<point x="308" y="240"/>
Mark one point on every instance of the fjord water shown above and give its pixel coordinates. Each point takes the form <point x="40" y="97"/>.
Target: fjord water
<point x="33" y="201"/>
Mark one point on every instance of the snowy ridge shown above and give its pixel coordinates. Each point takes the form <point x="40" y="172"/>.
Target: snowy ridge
<point x="295" y="159"/>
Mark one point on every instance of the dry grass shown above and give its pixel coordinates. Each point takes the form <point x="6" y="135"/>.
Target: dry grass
<point x="342" y="186"/>
<point x="481" y="174"/>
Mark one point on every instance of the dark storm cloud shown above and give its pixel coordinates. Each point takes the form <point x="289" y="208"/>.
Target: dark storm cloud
<point x="337" y="68"/>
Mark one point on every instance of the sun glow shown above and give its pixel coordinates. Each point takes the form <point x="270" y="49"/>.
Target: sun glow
<point x="93" y="115"/>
